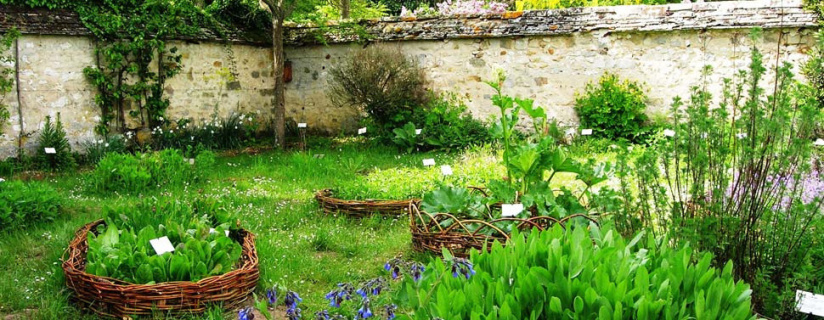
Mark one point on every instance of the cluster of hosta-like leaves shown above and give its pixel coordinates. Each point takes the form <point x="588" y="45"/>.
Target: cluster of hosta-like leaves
<point x="122" y="249"/>
<point x="577" y="274"/>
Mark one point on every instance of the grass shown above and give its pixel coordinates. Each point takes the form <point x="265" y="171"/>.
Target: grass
<point x="299" y="247"/>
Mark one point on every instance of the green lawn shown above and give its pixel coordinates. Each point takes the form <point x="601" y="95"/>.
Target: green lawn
<point x="299" y="246"/>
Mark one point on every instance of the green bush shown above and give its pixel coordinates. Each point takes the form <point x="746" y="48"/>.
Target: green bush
<point x="613" y="108"/>
<point x="53" y="136"/>
<point x="122" y="250"/>
<point x="127" y="173"/>
<point x="445" y="124"/>
<point x="22" y="203"/>
<point x="560" y="274"/>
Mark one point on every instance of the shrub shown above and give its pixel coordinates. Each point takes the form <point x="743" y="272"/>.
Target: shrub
<point x="559" y="4"/>
<point x="53" y="136"/>
<point x="613" y="108"/>
<point x="22" y="204"/>
<point x="119" y="172"/>
<point x="122" y="250"/>
<point x="733" y="175"/>
<point x="573" y="274"/>
<point x="96" y="150"/>
<point x="380" y="81"/>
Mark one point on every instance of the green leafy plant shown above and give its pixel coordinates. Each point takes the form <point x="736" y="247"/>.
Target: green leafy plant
<point x="122" y="249"/>
<point x="575" y="274"/>
<point x="732" y="175"/>
<point x="406" y="137"/>
<point x="128" y="173"/>
<point x="7" y="40"/>
<point x="53" y="136"/>
<point x="23" y="204"/>
<point x="613" y="108"/>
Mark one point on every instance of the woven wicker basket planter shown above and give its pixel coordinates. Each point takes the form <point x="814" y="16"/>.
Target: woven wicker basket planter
<point x="458" y="239"/>
<point x="114" y="298"/>
<point x="361" y="208"/>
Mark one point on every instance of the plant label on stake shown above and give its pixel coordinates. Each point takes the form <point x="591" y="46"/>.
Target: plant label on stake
<point x="212" y="230"/>
<point x="428" y="162"/>
<point x="819" y="142"/>
<point x="319" y="156"/>
<point x="669" y="133"/>
<point x="302" y="125"/>
<point x="808" y="302"/>
<point x="162" y="245"/>
<point x="418" y="131"/>
<point x="586" y="132"/>
<point x="50" y="151"/>
<point x="446" y="170"/>
<point x="362" y="130"/>
<point x="511" y="210"/>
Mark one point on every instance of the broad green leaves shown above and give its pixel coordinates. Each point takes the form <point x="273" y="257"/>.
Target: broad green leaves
<point x="578" y="274"/>
<point x="123" y="252"/>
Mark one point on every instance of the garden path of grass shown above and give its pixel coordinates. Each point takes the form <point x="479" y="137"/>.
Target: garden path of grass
<point x="299" y="247"/>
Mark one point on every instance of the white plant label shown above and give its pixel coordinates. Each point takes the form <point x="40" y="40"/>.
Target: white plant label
<point x="162" y="245"/>
<point x="669" y="133"/>
<point x="741" y="135"/>
<point x="302" y="125"/>
<point x="819" y="142"/>
<point x="446" y="170"/>
<point x="418" y="131"/>
<point x="319" y="156"/>
<point x="212" y="230"/>
<point x="191" y="161"/>
<point x="428" y="162"/>
<point x="586" y="132"/>
<point x="808" y="302"/>
<point x="50" y="151"/>
<point x="570" y="132"/>
<point x="511" y="210"/>
<point x="362" y="130"/>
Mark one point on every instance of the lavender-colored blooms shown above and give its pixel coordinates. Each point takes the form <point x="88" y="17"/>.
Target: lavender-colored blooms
<point x="459" y="8"/>
<point x="808" y="190"/>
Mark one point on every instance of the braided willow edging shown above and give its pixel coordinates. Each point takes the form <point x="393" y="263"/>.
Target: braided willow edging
<point x="115" y="298"/>
<point x="360" y="208"/>
<point x="428" y="235"/>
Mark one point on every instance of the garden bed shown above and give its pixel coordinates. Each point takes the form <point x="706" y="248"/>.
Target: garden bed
<point x="361" y="208"/>
<point x="115" y="298"/>
<point x="461" y="236"/>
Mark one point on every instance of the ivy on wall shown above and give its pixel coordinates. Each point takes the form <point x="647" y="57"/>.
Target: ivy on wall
<point x="6" y="73"/>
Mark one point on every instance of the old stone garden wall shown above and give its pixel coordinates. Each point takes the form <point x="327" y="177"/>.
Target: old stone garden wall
<point x="548" y="56"/>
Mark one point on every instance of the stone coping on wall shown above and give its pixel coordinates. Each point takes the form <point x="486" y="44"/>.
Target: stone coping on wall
<point x="670" y="17"/>
<point x="681" y="16"/>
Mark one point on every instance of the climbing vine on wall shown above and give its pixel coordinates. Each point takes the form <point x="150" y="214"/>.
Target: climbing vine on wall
<point x="133" y="58"/>
<point x="6" y="73"/>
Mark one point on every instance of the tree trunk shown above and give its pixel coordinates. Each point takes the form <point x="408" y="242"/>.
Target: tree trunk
<point x="278" y="100"/>
<point x="344" y="9"/>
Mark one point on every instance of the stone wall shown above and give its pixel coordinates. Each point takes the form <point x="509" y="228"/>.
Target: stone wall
<point x="548" y="55"/>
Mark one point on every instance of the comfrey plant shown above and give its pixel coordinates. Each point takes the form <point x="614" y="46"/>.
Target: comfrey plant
<point x="738" y="180"/>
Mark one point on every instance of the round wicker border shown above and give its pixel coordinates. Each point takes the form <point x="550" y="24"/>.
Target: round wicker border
<point x="457" y="237"/>
<point x="361" y="208"/>
<point x="115" y="298"/>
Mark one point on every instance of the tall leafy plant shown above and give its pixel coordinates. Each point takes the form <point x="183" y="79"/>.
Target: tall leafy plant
<point x="733" y="178"/>
<point x="53" y="149"/>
